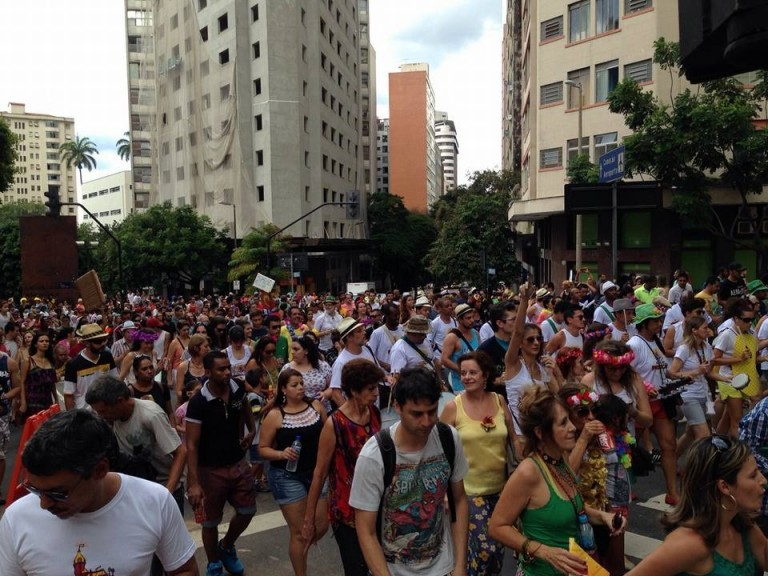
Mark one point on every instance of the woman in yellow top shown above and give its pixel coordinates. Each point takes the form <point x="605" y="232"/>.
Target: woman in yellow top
<point x="484" y="424"/>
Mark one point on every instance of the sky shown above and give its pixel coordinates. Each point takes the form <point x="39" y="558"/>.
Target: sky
<point x="67" y="58"/>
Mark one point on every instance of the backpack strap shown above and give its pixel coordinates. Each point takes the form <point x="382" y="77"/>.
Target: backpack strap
<point x="458" y="334"/>
<point x="449" y="449"/>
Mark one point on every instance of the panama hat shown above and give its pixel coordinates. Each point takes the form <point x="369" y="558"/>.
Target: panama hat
<point x="418" y="325"/>
<point x="347" y="326"/>
<point x="91" y="332"/>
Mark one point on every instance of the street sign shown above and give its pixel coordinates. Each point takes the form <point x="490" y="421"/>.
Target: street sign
<point x="612" y="165"/>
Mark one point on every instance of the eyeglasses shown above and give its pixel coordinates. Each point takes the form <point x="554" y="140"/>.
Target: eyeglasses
<point x="583" y="411"/>
<point x="532" y="339"/>
<point x="746" y="318"/>
<point x="56" y="495"/>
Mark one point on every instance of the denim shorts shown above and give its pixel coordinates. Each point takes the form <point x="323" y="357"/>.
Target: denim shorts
<point x="695" y="410"/>
<point x="290" y="487"/>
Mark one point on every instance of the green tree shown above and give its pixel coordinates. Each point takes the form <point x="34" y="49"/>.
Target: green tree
<point x="250" y="258"/>
<point x="703" y="138"/>
<point x="164" y="246"/>
<point x="471" y="222"/>
<point x="581" y="170"/>
<point x="400" y="239"/>
<point x="8" y="155"/>
<point x="124" y="146"/>
<point x="79" y="152"/>
<point x="10" y="243"/>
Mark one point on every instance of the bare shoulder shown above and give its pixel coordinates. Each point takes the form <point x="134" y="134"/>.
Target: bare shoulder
<point x="526" y="474"/>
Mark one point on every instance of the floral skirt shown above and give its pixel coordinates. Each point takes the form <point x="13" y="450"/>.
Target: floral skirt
<point x="484" y="554"/>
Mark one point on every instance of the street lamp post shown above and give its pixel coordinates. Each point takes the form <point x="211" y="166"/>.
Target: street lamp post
<point x="578" y="86"/>
<point x="234" y="221"/>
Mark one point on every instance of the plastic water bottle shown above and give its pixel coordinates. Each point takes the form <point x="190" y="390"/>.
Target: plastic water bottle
<point x="586" y="534"/>
<point x="291" y="465"/>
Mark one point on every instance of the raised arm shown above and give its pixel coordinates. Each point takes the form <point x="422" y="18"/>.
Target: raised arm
<point x="512" y="357"/>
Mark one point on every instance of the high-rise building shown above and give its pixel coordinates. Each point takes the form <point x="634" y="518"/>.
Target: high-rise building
<point x="261" y="105"/>
<point x="367" y="100"/>
<point x="38" y="161"/>
<point x="448" y="144"/>
<point x="414" y="161"/>
<point x="382" y="156"/>
<point x="109" y="198"/>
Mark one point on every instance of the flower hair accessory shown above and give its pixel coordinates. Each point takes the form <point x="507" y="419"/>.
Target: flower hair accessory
<point x="598" y="334"/>
<point x="602" y="357"/>
<point x="585" y="397"/>
<point x="566" y="354"/>
<point x="145" y="336"/>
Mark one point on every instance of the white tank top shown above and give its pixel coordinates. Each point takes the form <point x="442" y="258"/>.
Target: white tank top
<point x="573" y="341"/>
<point x="517" y="384"/>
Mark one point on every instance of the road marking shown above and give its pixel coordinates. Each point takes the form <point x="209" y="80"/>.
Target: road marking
<point x="639" y="546"/>
<point x="656" y="503"/>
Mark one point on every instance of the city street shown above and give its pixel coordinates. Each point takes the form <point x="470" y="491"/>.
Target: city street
<point x="263" y="547"/>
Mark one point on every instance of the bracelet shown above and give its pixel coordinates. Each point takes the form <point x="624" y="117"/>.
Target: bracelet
<point x="526" y="556"/>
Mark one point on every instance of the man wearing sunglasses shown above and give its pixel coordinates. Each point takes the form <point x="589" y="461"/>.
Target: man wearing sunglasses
<point x="76" y="506"/>
<point x="570" y="335"/>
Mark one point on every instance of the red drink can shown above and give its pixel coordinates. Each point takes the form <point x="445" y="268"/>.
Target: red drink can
<point x="199" y="513"/>
<point x="606" y="441"/>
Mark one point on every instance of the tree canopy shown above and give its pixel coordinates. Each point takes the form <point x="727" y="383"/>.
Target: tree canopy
<point x="79" y="152"/>
<point x="124" y="146"/>
<point x="472" y="222"/>
<point x="8" y="155"/>
<point x="707" y="136"/>
<point x="400" y="240"/>
<point x="250" y="258"/>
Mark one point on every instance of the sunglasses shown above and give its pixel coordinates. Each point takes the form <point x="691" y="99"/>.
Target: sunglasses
<point x="582" y="411"/>
<point x="532" y="339"/>
<point x="55" y="495"/>
<point x="746" y="318"/>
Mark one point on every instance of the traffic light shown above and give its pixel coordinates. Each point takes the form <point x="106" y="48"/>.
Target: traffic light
<point x="53" y="202"/>
<point x="353" y="205"/>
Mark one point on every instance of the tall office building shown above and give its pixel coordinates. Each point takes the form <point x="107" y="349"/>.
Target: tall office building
<point x="414" y="162"/>
<point x="256" y="104"/>
<point x="367" y="100"/>
<point x="38" y="161"/>
<point x="448" y="144"/>
<point x="109" y="198"/>
<point x="382" y="156"/>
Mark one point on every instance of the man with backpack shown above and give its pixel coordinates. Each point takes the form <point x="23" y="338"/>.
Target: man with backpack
<point x="401" y="479"/>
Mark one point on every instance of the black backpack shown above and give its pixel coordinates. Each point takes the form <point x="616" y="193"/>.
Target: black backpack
<point x="389" y="457"/>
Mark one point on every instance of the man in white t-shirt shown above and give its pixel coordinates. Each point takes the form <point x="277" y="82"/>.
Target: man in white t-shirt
<point x="622" y="328"/>
<point x="413" y="349"/>
<point x="604" y="312"/>
<point x="555" y="322"/>
<point x="417" y="537"/>
<point x="444" y="323"/>
<point x="326" y="322"/>
<point x="385" y="336"/>
<point x="76" y="507"/>
<point x="352" y="334"/>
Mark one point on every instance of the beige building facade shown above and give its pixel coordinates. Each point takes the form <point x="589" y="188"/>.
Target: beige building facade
<point x="38" y="162"/>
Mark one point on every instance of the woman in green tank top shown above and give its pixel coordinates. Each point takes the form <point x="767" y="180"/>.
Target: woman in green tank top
<point x="543" y="492"/>
<point x="711" y="531"/>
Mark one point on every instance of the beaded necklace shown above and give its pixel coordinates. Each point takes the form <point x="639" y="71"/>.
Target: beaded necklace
<point x="563" y="476"/>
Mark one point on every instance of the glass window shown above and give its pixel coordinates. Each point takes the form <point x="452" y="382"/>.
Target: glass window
<point x="606" y="78"/>
<point x="589" y="232"/>
<point x="578" y="77"/>
<point x="551" y="93"/>
<point x="604" y="143"/>
<point x="551" y="158"/>
<point x="635" y="230"/>
<point x="573" y="148"/>
<point x="606" y="15"/>
<point x="578" y="21"/>
<point x="639" y="71"/>
<point x="552" y="28"/>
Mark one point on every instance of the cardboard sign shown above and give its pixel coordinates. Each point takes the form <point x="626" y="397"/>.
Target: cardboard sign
<point x="263" y="283"/>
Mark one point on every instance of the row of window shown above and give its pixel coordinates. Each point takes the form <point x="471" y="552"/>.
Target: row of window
<point x="580" y="19"/>
<point x="115" y="212"/>
<point x="553" y="157"/>
<point x="606" y="78"/>
<point x="102" y="192"/>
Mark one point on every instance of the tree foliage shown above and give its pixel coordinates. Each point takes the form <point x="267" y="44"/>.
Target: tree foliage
<point x="702" y="138"/>
<point x="250" y="258"/>
<point x="164" y="246"/>
<point x="79" y="152"/>
<point x="10" y="243"/>
<point x="400" y="240"/>
<point x="8" y="155"/>
<point x="124" y="146"/>
<point x="581" y="170"/>
<point x="471" y="220"/>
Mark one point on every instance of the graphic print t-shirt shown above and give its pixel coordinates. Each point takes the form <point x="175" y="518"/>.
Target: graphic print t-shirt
<point x="415" y="529"/>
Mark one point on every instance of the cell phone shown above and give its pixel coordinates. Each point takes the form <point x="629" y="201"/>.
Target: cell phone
<point x="617" y="520"/>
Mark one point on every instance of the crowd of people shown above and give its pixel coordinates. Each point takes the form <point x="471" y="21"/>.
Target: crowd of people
<point x="532" y="411"/>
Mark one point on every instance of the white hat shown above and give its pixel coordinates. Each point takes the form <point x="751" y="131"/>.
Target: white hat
<point x="541" y="292"/>
<point x="607" y="285"/>
<point x="422" y="301"/>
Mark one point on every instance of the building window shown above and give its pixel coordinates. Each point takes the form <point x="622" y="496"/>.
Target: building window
<point x="179" y="144"/>
<point x="254" y="12"/>
<point x="204" y="68"/>
<point x="573" y="147"/>
<point x="639" y="71"/>
<point x="224" y="92"/>
<point x="636" y="5"/>
<point x="605" y="143"/>
<point x="258" y="122"/>
<point x="180" y="173"/>
<point x="578" y="77"/>
<point x="174" y="21"/>
<point x="223" y="22"/>
<point x="260" y="157"/>
<point x="635" y="229"/>
<point x="552" y="28"/>
<point x="606" y="78"/>
<point x="551" y="158"/>
<point x="306" y="159"/>
<point x="257" y="87"/>
<point x="303" y="53"/>
<point x="551" y="93"/>
<point x="204" y="33"/>
<point x="201" y="4"/>
<point x="224" y="56"/>
<point x="606" y="15"/>
<point x="578" y="21"/>
<point x="256" y="50"/>
<point x="260" y="193"/>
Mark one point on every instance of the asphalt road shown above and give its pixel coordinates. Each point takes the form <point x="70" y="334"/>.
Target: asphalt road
<point x="263" y="548"/>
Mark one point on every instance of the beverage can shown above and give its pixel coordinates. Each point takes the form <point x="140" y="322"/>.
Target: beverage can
<point x="607" y="443"/>
<point x="199" y="513"/>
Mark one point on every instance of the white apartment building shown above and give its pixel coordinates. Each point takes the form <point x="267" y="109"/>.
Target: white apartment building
<point x="448" y="143"/>
<point x="382" y="156"/>
<point x="38" y="162"/>
<point x="109" y="198"/>
<point x="262" y="104"/>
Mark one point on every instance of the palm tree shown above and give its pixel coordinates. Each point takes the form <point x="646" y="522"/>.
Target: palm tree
<point x="79" y="152"/>
<point x="124" y="147"/>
